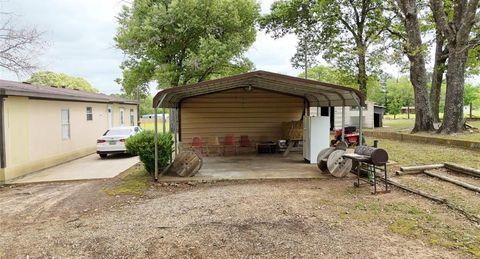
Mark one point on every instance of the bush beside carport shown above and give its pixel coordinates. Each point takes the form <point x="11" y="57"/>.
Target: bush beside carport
<point x="143" y="145"/>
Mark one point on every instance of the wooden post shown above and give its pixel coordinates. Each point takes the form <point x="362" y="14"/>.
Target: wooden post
<point x="417" y="169"/>
<point x="462" y="169"/>
<point x="454" y="181"/>
<point x="471" y="108"/>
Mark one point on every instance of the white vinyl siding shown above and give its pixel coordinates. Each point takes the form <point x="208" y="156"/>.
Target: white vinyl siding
<point x="65" y="124"/>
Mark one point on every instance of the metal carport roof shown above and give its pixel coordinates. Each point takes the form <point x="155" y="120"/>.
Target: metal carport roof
<point x="317" y="93"/>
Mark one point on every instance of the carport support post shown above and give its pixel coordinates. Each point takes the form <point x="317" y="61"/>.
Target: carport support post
<point x="360" y="114"/>
<point x="156" y="144"/>
<point x="360" y="132"/>
<point x="343" y="122"/>
<point x="164" y="121"/>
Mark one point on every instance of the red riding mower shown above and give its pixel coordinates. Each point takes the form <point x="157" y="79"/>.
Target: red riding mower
<point x="352" y="137"/>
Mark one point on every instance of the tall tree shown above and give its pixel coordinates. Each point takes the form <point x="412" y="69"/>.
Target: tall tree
<point x="400" y="93"/>
<point x="348" y="33"/>
<point x="48" y="78"/>
<point x="471" y="97"/>
<point x="439" y="66"/>
<point x="457" y="29"/>
<point x="414" y="49"/>
<point x="19" y="46"/>
<point x="331" y="75"/>
<point x="176" y="42"/>
<point x="297" y="17"/>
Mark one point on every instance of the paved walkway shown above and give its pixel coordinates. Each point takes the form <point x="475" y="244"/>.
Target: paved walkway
<point x="89" y="167"/>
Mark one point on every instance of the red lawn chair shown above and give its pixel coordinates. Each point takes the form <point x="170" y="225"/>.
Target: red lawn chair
<point x="245" y="143"/>
<point x="197" y="145"/>
<point x="229" y="143"/>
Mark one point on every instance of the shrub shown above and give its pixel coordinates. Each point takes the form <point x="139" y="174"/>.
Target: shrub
<point x="143" y="145"/>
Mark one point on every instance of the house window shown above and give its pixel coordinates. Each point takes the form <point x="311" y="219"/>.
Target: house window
<point x="65" y="124"/>
<point x="122" y="116"/>
<point x="132" y="118"/>
<point x="89" y="114"/>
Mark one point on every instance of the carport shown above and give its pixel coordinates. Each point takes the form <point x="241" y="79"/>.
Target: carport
<point x="248" y="103"/>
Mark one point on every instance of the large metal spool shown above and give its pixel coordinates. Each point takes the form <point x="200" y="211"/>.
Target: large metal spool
<point x="337" y="165"/>
<point x="186" y="163"/>
<point x="330" y="160"/>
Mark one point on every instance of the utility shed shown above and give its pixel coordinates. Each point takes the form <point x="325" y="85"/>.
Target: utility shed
<point x="378" y="113"/>
<point x="253" y="104"/>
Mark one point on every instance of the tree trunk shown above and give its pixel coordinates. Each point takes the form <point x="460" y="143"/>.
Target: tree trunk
<point x="418" y="72"/>
<point x="418" y="77"/>
<point x="362" y="71"/>
<point x="456" y="29"/>
<point x="437" y="76"/>
<point x="453" y="119"/>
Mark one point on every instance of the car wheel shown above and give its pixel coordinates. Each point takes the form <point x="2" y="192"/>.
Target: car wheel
<point x="103" y="155"/>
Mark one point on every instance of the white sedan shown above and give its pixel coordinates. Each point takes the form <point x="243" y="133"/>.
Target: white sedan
<point x="113" y="140"/>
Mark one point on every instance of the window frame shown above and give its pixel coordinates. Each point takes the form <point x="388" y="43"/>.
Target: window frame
<point x="65" y="124"/>
<point x="122" y="116"/>
<point x="89" y="115"/>
<point x="132" y="117"/>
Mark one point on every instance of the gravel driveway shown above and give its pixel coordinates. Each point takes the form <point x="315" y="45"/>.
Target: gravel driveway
<point x="268" y="219"/>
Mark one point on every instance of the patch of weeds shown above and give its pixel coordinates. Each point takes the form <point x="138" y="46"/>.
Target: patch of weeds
<point x="450" y="238"/>
<point x="133" y="182"/>
<point x="406" y="227"/>
<point x="414" y="222"/>
<point x="410" y="220"/>
<point x="351" y="190"/>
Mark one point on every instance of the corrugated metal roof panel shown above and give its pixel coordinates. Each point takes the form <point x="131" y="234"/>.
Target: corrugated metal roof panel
<point x="317" y="93"/>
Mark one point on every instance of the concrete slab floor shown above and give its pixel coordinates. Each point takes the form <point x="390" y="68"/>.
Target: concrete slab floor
<point x="85" y="168"/>
<point x="247" y="167"/>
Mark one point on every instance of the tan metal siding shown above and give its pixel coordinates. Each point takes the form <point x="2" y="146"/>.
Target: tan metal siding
<point x="257" y="113"/>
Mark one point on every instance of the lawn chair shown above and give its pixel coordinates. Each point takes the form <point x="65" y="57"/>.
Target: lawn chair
<point x="229" y="144"/>
<point x="197" y="145"/>
<point x="245" y="143"/>
<point x="213" y="144"/>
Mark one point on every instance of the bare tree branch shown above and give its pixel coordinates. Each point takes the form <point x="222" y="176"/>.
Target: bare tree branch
<point x="19" y="47"/>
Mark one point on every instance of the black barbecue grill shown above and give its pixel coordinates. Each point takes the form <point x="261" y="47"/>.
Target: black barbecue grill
<point x="370" y="160"/>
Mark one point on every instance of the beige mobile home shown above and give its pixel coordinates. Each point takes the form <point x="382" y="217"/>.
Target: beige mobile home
<point x="43" y="126"/>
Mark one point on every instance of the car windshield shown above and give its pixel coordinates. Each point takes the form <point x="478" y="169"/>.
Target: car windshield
<point x="116" y="132"/>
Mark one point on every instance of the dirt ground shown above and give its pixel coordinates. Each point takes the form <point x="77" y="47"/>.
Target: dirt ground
<point x="314" y="218"/>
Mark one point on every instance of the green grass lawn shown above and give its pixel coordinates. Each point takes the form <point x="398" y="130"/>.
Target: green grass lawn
<point x="408" y="153"/>
<point x="151" y="125"/>
<point x="475" y="113"/>
<point x="406" y="125"/>
<point x="397" y="125"/>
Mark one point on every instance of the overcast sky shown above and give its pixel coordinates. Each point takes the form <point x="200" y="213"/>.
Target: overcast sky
<point x="80" y="35"/>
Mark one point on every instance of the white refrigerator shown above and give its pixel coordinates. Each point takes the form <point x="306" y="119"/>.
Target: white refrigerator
<point x="316" y="136"/>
